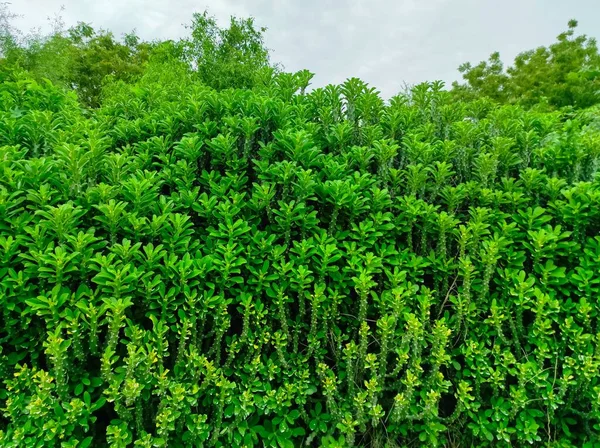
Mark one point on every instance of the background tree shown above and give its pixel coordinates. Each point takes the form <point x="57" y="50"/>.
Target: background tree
<point x="226" y="57"/>
<point x="79" y="58"/>
<point x="85" y="60"/>
<point x="8" y="33"/>
<point x="99" y="58"/>
<point x="567" y="73"/>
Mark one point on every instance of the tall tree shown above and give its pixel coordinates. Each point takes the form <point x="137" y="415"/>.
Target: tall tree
<point x="567" y="73"/>
<point x="227" y="57"/>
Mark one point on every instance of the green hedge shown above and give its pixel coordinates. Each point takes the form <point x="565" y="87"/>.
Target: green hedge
<point x="270" y="267"/>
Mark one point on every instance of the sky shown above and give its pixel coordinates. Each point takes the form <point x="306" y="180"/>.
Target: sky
<point x="387" y="43"/>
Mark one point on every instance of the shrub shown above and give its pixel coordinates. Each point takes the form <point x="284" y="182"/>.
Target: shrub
<point x="272" y="267"/>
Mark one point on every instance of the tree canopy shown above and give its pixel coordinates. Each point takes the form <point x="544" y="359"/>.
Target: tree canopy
<point x="84" y="59"/>
<point x="566" y="73"/>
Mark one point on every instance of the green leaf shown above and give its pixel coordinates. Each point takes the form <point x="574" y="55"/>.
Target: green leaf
<point x="87" y="399"/>
<point x="86" y="442"/>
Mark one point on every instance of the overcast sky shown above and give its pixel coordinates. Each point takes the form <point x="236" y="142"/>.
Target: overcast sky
<point x="384" y="42"/>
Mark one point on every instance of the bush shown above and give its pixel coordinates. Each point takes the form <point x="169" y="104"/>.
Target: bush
<point x="271" y="267"/>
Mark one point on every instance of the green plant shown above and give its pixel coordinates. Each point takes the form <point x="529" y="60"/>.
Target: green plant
<point x="196" y="265"/>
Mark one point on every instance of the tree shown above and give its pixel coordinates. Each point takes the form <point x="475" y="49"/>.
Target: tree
<point x="79" y="58"/>
<point x="98" y="58"/>
<point x="485" y="79"/>
<point x="8" y="33"/>
<point x="226" y="57"/>
<point x="567" y="73"/>
<point x="85" y="60"/>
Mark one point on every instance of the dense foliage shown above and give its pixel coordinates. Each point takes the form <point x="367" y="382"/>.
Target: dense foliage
<point x="195" y="265"/>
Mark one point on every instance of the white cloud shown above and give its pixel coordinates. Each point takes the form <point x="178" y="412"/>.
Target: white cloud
<point x="385" y="42"/>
